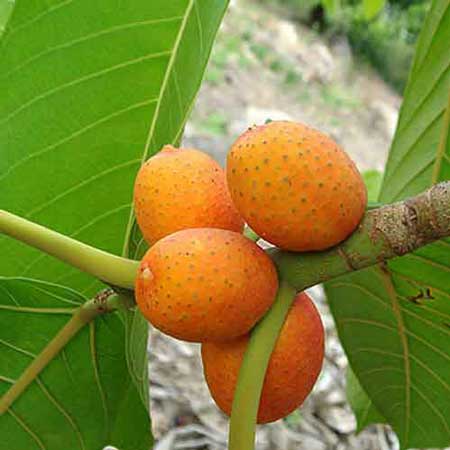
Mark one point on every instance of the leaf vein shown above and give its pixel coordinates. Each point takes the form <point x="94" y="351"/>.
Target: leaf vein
<point x="75" y="134"/>
<point x="25" y="309"/>
<point x="76" y="232"/>
<point x="93" y="351"/>
<point x="394" y="168"/>
<point x="386" y="277"/>
<point x="17" y="349"/>
<point x="432" y="407"/>
<point x="87" y="38"/>
<point x="80" y="80"/>
<point x="155" y="117"/>
<point x="428" y="261"/>
<point x="38" y="17"/>
<point x="376" y="297"/>
<point x="81" y="184"/>
<point x="27" y="429"/>
<point x="51" y="398"/>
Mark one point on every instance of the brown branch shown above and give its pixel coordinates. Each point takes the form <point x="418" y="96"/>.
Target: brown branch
<point x="386" y="232"/>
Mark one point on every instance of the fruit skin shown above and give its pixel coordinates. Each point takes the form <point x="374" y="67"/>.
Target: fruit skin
<point x="293" y="368"/>
<point x="205" y="284"/>
<point x="295" y="186"/>
<point x="182" y="188"/>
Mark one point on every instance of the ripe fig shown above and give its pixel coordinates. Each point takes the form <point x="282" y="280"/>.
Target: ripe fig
<point x="293" y="368"/>
<point x="182" y="188"/>
<point x="295" y="186"/>
<point x="205" y="284"/>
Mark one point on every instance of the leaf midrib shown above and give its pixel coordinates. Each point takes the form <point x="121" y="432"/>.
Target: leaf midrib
<point x="390" y="289"/>
<point x="155" y="118"/>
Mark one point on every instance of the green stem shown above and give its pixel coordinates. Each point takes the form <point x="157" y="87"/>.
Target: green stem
<point x="82" y="316"/>
<point x="250" y="234"/>
<point x="253" y="370"/>
<point x="384" y="233"/>
<point x="107" y="267"/>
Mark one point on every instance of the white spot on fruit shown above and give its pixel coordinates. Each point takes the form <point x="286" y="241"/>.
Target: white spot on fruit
<point x="147" y="274"/>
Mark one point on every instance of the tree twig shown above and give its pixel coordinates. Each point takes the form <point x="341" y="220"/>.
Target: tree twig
<point x="111" y="269"/>
<point x="386" y="232"/>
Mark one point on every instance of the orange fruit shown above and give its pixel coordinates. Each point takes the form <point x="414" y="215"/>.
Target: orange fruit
<point x="293" y="368"/>
<point x="205" y="284"/>
<point x="295" y="186"/>
<point x="182" y="188"/>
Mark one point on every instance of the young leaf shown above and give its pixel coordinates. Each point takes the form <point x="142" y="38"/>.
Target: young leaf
<point x="394" y="321"/>
<point x="365" y="412"/>
<point x="85" y="398"/>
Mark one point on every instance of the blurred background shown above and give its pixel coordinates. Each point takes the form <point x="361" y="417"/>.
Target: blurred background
<point x="337" y="71"/>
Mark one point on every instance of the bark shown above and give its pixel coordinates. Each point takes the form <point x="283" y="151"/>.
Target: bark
<point x="384" y="233"/>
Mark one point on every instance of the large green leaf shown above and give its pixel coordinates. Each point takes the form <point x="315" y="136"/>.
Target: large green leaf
<point x="89" y="89"/>
<point x="394" y="321"/>
<point x="85" y="398"/>
<point x="5" y="11"/>
<point x="365" y="411"/>
<point x="372" y="180"/>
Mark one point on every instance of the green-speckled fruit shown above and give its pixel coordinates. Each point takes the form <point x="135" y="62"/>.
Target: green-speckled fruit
<point x="205" y="284"/>
<point x="182" y="188"/>
<point x="293" y="367"/>
<point x="295" y="186"/>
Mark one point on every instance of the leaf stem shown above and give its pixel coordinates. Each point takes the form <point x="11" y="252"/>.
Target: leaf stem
<point x="105" y="266"/>
<point x="253" y="369"/>
<point x="82" y="316"/>
<point x="250" y="234"/>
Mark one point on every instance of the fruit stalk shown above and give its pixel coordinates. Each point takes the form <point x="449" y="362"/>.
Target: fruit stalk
<point x="386" y="232"/>
<point x="253" y="370"/>
<point x="106" y="301"/>
<point x="105" y="266"/>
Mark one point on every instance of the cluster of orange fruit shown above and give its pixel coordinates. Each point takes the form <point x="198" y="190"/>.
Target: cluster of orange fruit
<point x="202" y="280"/>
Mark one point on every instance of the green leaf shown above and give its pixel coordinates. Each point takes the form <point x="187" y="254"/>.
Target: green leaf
<point x="365" y="412"/>
<point x="417" y="159"/>
<point x="372" y="8"/>
<point x="84" y="399"/>
<point x="136" y="337"/>
<point x="6" y="7"/>
<point x="394" y="321"/>
<point x="331" y="6"/>
<point x="372" y="180"/>
<point x="83" y="106"/>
